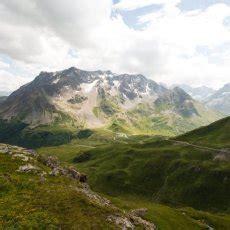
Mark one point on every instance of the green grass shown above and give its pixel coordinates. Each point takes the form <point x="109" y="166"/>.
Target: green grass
<point x="16" y="132"/>
<point x="167" y="218"/>
<point x="28" y="203"/>
<point x="163" y="177"/>
<point x="170" y="174"/>
<point x="108" y="107"/>
<point x="216" y="134"/>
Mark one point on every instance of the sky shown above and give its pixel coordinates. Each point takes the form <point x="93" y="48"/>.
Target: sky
<point x="169" y="41"/>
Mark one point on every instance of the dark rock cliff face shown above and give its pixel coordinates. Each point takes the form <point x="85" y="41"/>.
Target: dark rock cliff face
<point x="132" y="85"/>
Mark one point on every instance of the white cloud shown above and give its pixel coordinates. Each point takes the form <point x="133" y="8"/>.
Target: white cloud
<point x="180" y="34"/>
<point x="135" y="4"/>
<point x="8" y="83"/>
<point x="42" y="35"/>
<point x="4" y="65"/>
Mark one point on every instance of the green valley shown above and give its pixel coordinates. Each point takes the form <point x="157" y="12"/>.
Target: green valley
<point x="164" y="175"/>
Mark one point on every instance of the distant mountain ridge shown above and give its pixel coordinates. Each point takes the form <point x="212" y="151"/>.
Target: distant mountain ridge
<point x="216" y="99"/>
<point x="220" y="100"/>
<point x="199" y="93"/>
<point x="4" y="93"/>
<point x="95" y="99"/>
<point x="2" y="98"/>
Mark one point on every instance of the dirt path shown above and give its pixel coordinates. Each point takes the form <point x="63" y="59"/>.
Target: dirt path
<point x="86" y="146"/>
<point x="200" y="147"/>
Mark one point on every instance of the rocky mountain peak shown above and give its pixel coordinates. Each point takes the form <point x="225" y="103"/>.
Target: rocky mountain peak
<point x="182" y="94"/>
<point x="93" y="99"/>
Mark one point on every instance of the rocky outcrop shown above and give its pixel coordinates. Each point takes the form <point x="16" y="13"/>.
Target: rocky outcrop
<point x="122" y="222"/>
<point x="56" y="169"/>
<point x="77" y="99"/>
<point x="21" y="156"/>
<point x="30" y="156"/>
<point x="139" y="212"/>
<point x="131" y="222"/>
<point x="28" y="168"/>
<point x="223" y="156"/>
<point x="85" y="189"/>
<point x="71" y="171"/>
<point x="4" y="149"/>
<point x="141" y="222"/>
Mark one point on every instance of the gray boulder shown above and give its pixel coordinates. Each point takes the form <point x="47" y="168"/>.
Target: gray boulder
<point x="28" y="168"/>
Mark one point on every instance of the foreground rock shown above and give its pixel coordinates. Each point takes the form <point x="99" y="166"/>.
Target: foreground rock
<point x="57" y="169"/>
<point x="28" y="168"/>
<point x="131" y="222"/>
<point x="139" y="212"/>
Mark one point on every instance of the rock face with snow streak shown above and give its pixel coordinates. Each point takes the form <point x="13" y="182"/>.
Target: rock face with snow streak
<point x="92" y="99"/>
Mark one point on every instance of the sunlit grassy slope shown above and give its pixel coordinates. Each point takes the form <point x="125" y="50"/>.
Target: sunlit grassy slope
<point x="26" y="202"/>
<point x="216" y="134"/>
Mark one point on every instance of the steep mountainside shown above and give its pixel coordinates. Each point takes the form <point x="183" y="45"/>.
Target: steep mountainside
<point x="220" y="100"/>
<point x="124" y="103"/>
<point x="199" y="93"/>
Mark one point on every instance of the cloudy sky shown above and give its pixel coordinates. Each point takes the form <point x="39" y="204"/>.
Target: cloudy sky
<point x="169" y="41"/>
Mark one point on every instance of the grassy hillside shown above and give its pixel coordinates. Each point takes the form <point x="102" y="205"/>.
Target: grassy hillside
<point x="168" y="218"/>
<point x="172" y="174"/>
<point x="28" y="202"/>
<point x="37" y="192"/>
<point x="18" y="133"/>
<point x="142" y="172"/>
<point x="216" y="134"/>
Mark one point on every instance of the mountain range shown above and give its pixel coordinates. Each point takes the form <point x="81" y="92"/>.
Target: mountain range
<point x="199" y="93"/>
<point x="102" y="99"/>
<point x="216" y="99"/>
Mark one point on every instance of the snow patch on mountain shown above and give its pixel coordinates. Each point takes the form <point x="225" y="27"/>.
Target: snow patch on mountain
<point x="87" y="87"/>
<point x="56" y="81"/>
